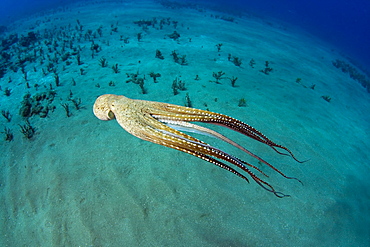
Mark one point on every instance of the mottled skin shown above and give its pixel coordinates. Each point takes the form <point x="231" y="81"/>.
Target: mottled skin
<point x="148" y="120"/>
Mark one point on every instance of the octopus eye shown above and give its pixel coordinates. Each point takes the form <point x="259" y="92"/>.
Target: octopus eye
<point x="111" y="115"/>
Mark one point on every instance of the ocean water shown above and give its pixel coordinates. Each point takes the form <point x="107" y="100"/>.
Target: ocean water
<point x="297" y="72"/>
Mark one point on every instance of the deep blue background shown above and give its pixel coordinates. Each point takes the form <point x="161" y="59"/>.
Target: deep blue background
<point x="344" y="23"/>
<point x="14" y="9"/>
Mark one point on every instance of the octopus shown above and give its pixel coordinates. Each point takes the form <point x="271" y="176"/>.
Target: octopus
<point x="163" y="124"/>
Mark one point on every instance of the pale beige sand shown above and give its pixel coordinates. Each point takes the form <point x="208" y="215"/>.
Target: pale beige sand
<point x="84" y="182"/>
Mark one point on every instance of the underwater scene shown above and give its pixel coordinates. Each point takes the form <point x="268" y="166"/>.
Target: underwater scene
<point x="227" y="128"/>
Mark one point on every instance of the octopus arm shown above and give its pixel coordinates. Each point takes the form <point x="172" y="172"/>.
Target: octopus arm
<point x="206" y="152"/>
<point x="195" y="115"/>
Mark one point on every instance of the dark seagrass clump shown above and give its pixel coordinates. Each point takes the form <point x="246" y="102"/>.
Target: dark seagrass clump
<point x="6" y="114"/>
<point x="103" y="62"/>
<point x="115" y="68"/>
<point x="242" y="102"/>
<point x="77" y="103"/>
<point x="267" y="68"/>
<point x="28" y="130"/>
<point x="175" y="35"/>
<point x="67" y="109"/>
<point x="158" y="54"/>
<point x="154" y="76"/>
<point x="7" y="91"/>
<point x="354" y="73"/>
<point x="237" y="61"/>
<point x="218" y="76"/>
<point x="327" y="98"/>
<point x="8" y="134"/>
<point x="188" y="102"/>
<point x="233" y="81"/>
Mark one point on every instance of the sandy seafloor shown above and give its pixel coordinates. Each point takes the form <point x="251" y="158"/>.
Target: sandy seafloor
<point x="84" y="182"/>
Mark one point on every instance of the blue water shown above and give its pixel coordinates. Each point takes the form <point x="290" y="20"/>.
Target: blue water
<point x="73" y="180"/>
<point x="343" y="23"/>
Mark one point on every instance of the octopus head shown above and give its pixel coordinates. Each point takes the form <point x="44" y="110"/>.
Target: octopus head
<point x="102" y="107"/>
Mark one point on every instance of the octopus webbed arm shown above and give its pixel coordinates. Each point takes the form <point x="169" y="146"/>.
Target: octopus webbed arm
<point x="203" y="130"/>
<point x="224" y="138"/>
<point x="180" y="113"/>
<point x="218" y="163"/>
<point x="205" y="151"/>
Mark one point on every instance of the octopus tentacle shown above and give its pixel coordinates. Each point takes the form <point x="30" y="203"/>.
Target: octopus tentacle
<point x="218" y="163"/>
<point x="194" y="115"/>
<point x="224" y="138"/>
<point x="204" y="151"/>
<point x="215" y="134"/>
